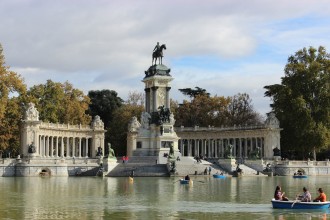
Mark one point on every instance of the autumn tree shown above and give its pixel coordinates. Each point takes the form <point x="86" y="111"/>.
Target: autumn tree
<point x="201" y="111"/>
<point x="206" y="110"/>
<point x="11" y="87"/>
<point x="60" y="103"/>
<point x="240" y="111"/>
<point x="302" y="102"/>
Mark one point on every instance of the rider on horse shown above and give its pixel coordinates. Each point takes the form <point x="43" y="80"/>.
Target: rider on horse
<point x="158" y="51"/>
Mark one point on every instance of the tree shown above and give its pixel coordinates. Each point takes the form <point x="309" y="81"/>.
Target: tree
<point x="302" y="102"/>
<point x="240" y="110"/>
<point x="11" y="87"/>
<point x="104" y="103"/>
<point x="193" y="93"/>
<point x="60" y="103"/>
<point x="204" y="110"/>
<point x="135" y="98"/>
<point x="117" y="132"/>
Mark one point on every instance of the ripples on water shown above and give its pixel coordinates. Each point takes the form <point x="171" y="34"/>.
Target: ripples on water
<point x="152" y="198"/>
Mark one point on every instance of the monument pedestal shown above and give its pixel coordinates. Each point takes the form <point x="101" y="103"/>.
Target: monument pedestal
<point x="229" y="163"/>
<point x="109" y="163"/>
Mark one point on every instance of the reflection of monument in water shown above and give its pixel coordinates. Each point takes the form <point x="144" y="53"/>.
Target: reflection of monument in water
<point x="154" y="135"/>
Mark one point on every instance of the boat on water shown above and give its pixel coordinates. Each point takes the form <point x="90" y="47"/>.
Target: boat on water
<point x="219" y="176"/>
<point x="183" y="181"/>
<point x="296" y="204"/>
<point x="299" y="176"/>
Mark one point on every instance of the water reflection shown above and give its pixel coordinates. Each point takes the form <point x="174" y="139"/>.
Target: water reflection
<point x="151" y="198"/>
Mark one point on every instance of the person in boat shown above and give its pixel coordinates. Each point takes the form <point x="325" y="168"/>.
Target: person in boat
<point x="279" y="195"/>
<point x="322" y="197"/>
<point x="305" y="196"/>
<point x="187" y="177"/>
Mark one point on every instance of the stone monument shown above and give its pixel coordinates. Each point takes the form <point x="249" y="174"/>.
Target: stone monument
<point x="154" y="134"/>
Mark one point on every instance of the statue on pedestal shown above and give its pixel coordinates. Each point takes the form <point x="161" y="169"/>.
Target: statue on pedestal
<point x="111" y="152"/>
<point x="32" y="149"/>
<point x="158" y="53"/>
<point x="276" y="152"/>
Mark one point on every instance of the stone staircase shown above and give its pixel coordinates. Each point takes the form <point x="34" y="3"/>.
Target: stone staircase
<point x="188" y="165"/>
<point x="140" y="166"/>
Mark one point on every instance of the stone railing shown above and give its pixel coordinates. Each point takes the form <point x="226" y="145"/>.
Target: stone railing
<point x="212" y="128"/>
<point x="64" y="126"/>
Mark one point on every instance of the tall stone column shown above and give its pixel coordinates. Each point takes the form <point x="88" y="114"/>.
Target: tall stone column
<point x="51" y="146"/>
<point x="44" y="147"/>
<point x="154" y="99"/>
<point x="67" y="146"/>
<point x="147" y="101"/>
<point x="168" y="105"/>
<point x="56" y="146"/>
<point x="80" y="147"/>
<point x="87" y="147"/>
<point x="73" y="146"/>
<point x="62" y="146"/>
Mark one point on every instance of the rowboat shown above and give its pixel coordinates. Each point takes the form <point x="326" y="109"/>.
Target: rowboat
<point x="219" y="176"/>
<point x="183" y="181"/>
<point x="296" y="204"/>
<point x="299" y="176"/>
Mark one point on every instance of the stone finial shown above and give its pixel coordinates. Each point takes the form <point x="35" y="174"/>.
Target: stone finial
<point x="133" y="125"/>
<point x="145" y="120"/>
<point x="272" y="121"/>
<point x="31" y="113"/>
<point x="97" y="123"/>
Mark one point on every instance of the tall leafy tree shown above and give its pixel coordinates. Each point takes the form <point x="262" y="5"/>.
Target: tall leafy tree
<point x="60" y="103"/>
<point x="104" y="103"/>
<point x="118" y="128"/>
<point x="302" y="102"/>
<point x="193" y="93"/>
<point x="11" y="87"/>
<point x="206" y="110"/>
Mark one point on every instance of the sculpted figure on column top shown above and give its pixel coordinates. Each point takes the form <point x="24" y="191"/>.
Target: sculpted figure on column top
<point x="31" y="114"/>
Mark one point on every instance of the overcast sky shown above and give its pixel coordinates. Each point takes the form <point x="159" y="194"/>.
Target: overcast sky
<point x="224" y="46"/>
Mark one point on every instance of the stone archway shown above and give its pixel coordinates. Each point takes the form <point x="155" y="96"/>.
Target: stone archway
<point x="45" y="171"/>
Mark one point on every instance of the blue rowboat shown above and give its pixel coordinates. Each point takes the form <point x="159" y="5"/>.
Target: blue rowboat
<point x="294" y="204"/>
<point x="219" y="176"/>
<point x="299" y="176"/>
<point x="183" y="181"/>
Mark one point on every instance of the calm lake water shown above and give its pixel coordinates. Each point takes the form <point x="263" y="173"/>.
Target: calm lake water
<point x="152" y="198"/>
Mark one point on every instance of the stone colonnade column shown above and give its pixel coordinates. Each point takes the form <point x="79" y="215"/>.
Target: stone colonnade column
<point x="215" y="147"/>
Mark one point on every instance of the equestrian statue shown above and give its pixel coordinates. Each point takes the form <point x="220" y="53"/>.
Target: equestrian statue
<point x="158" y="53"/>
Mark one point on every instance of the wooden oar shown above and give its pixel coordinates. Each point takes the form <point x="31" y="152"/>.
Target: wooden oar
<point x="296" y="200"/>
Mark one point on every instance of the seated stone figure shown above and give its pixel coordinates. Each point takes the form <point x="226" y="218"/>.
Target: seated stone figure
<point x="31" y="149"/>
<point x="111" y="152"/>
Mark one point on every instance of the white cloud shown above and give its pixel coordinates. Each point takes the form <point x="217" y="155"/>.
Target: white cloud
<point x="108" y="44"/>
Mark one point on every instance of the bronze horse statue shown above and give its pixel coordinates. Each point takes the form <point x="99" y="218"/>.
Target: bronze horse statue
<point x="158" y="54"/>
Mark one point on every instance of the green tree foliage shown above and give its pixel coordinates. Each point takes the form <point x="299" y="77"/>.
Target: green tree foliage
<point x="60" y="103"/>
<point x="193" y="93"/>
<point x="302" y="102"/>
<point x="104" y="103"/>
<point x="11" y="86"/>
<point x="117" y="132"/>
